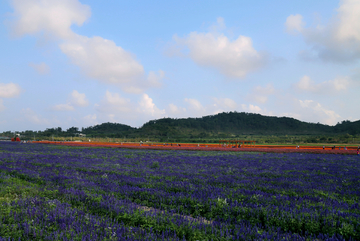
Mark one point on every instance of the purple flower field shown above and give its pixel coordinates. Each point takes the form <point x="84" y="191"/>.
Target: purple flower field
<point x="78" y="193"/>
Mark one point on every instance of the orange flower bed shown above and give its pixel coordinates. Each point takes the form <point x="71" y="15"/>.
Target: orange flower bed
<point x="211" y="147"/>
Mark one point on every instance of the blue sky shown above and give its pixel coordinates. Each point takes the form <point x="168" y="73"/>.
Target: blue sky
<point x="67" y="63"/>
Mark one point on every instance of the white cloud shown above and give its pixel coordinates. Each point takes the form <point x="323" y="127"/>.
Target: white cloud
<point x="32" y="117"/>
<point x="112" y="118"/>
<point x="101" y="59"/>
<point x="221" y="105"/>
<point x="52" y="17"/>
<point x="195" y="105"/>
<point x="254" y="109"/>
<point x="305" y="83"/>
<point x="97" y="58"/>
<point x="259" y="98"/>
<point x="114" y="103"/>
<point x="338" y="41"/>
<point x="218" y="105"/>
<point x="308" y="110"/>
<point x="63" y="107"/>
<point x="225" y="103"/>
<point x="9" y="90"/>
<point x="316" y="109"/>
<point x="349" y="25"/>
<point x="147" y="106"/>
<point x="116" y="108"/>
<point x="327" y="87"/>
<point x="251" y="108"/>
<point x="175" y="110"/>
<point x="260" y="94"/>
<point x="79" y="99"/>
<point x="339" y="84"/>
<point x="234" y="59"/>
<point x="40" y="68"/>
<point x="76" y="99"/>
<point x="155" y="78"/>
<point x="294" y="23"/>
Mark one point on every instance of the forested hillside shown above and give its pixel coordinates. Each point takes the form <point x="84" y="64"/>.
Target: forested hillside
<point x="233" y="123"/>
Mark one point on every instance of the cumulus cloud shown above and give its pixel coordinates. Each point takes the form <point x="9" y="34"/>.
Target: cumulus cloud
<point x="294" y="23"/>
<point x="221" y="105"/>
<point x="336" y="85"/>
<point x="305" y="83"/>
<point x="115" y="108"/>
<point x="309" y="110"/>
<point x="172" y="110"/>
<point x="97" y="58"/>
<point x="316" y="109"/>
<point x="195" y="105"/>
<point x="349" y="24"/>
<point x="51" y="17"/>
<point x="338" y="41"/>
<point x="79" y="99"/>
<point x="40" y="68"/>
<point x="31" y="116"/>
<point x="101" y="59"/>
<point x="234" y="59"/>
<point x="154" y="79"/>
<point x="9" y="90"/>
<point x="76" y="99"/>
<point x="251" y="108"/>
<point x="218" y="105"/>
<point x="113" y="102"/>
<point x="147" y="106"/>
<point x="224" y="104"/>
<point x="259" y="98"/>
<point x="260" y="94"/>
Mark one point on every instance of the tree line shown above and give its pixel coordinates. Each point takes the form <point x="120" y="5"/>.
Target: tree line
<point x="213" y="127"/>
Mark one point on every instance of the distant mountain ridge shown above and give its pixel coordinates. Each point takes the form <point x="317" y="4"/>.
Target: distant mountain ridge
<point x="223" y="124"/>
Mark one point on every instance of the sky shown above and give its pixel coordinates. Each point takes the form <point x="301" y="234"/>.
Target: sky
<point x="66" y="63"/>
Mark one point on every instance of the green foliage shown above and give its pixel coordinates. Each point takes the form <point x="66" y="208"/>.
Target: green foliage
<point x="155" y="165"/>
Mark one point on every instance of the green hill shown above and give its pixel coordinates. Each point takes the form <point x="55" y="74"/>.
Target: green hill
<point x="233" y="123"/>
<point x="223" y="125"/>
<point x="108" y="129"/>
